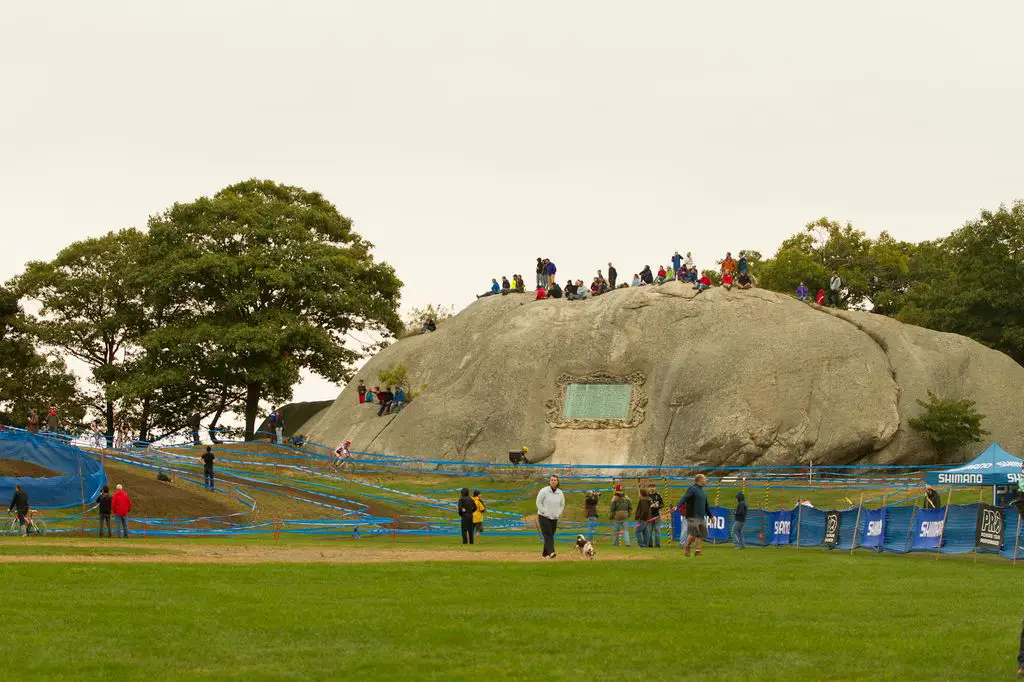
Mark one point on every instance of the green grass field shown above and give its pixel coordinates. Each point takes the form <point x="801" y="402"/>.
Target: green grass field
<point x="760" y="614"/>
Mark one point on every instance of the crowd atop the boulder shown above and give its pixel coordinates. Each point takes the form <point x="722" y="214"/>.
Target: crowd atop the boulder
<point x="734" y="273"/>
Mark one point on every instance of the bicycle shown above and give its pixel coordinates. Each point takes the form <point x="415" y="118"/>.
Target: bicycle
<point x="32" y="525"/>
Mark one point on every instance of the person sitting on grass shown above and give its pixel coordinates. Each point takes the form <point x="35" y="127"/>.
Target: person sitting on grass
<point x="495" y="289"/>
<point x="636" y="280"/>
<point x="744" y="281"/>
<point x="703" y="283"/>
<point x="801" y="292"/>
<point x="727" y="281"/>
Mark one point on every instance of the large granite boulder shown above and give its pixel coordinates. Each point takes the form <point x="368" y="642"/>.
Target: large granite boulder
<point x="717" y="378"/>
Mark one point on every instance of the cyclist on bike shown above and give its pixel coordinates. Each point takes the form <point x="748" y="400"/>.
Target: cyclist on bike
<point x="20" y="503"/>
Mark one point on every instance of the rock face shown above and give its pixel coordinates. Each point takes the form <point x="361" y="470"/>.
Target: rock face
<point x="719" y="378"/>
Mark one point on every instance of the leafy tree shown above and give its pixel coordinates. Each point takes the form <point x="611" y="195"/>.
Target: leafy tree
<point x="89" y="306"/>
<point x="948" y="424"/>
<point x="276" y="279"/>
<point x="30" y="379"/>
<point x="398" y="375"/>
<point x="794" y="262"/>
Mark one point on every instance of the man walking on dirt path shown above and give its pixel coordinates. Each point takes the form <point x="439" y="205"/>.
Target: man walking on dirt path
<point x="550" y="505"/>
<point x="694" y="507"/>
<point x="208" y="459"/>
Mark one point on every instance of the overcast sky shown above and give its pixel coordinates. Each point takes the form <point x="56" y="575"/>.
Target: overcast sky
<point x="472" y="137"/>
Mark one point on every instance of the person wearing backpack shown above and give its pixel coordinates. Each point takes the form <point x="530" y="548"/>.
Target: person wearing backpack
<point x="619" y="516"/>
<point x="104" y="503"/>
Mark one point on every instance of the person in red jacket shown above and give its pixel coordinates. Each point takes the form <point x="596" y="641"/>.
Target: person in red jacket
<point x="121" y="505"/>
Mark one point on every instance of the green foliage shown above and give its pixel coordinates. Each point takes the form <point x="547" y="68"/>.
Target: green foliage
<point x="417" y="317"/>
<point x="271" y="279"/>
<point x="398" y="375"/>
<point x="948" y="424"/>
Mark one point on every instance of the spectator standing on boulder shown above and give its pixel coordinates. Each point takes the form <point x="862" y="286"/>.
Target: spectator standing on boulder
<point x="542" y="275"/>
<point x="550" y="505"/>
<point x="642" y="518"/>
<point x="677" y="261"/>
<point x="741" y="266"/>
<point x="121" y="505"/>
<point x="478" y="514"/>
<point x="739" y="519"/>
<point x="19" y="505"/>
<point x="657" y="503"/>
<point x="689" y="261"/>
<point x="801" y="292"/>
<point x="613" y="275"/>
<point x="551" y="271"/>
<point x="466" y="510"/>
<point x="385" y="397"/>
<point x="208" y="459"/>
<point x="193" y="425"/>
<point x="695" y="507"/>
<point x="619" y="516"/>
<point x="51" y="420"/>
<point x="590" y="512"/>
<point x="361" y="390"/>
<point x="32" y="423"/>
<point x="931" y="498"/>
<point x="728" y="264"/>
<point x="104" y="502"/>
<point x="835" y="286"/>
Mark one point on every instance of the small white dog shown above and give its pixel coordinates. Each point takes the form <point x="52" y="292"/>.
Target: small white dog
<point x="584" y="547"/>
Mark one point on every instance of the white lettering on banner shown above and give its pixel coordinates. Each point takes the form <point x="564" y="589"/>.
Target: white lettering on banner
<point x="782" y="528"/>
<point x="931" y="529"/>
<point x="716" y="522"/>
<point x="991" y="522"/>
<point x="875" y="528"/>
<point x="960" y="478"/>
<point x="1013" y="478"/>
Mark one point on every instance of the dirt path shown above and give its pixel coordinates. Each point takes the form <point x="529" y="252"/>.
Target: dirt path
<point x="249" y="554"/>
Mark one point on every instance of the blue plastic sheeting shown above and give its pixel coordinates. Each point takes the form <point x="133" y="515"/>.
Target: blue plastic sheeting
<point x="60" y="491"/>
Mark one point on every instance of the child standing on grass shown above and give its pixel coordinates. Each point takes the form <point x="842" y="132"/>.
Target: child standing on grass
<point x="478" y="514"/>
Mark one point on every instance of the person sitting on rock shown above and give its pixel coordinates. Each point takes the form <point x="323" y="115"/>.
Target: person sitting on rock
<point x="662" y="275"/>
<point x="728" y="264"/>
<point x="505" y="286"/>
<point x="801" y="292"/>
<point x="727" y="281"/>
<point x="555" y="291"/>
<point x="541" y="294"/>
<point x="703" y="283"/>
<point x="398" y="400"/>
<point x="371" y="396"/>
<point x="520" y="284"/>
<point x="385" y="397"/>
<point x="495" y="289"/>
<point x="820" y="298"/>
<point x="636" y="281"/>
<point x="429" y="326"/>
<point x="646" y="276"/>
<point x="578" y="291"/>
<point x="745" y="281"/>
<point x="691" y="275"/>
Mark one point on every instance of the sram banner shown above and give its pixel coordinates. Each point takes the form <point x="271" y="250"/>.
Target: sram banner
<point x="780" y="525"/>
<point x="718" y="524"/>
<point x="928" y="528"/>
<point x="833" y="522"/>
<point x="989" y="531"/>
<point x="872" y="534"/>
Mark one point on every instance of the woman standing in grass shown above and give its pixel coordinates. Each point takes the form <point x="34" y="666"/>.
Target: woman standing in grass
<point x="550" y="505"/>
<point x="478" y="513"/>
<point x="467" y="508"/>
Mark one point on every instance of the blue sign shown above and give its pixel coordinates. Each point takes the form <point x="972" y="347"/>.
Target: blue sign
<point x="780" y="525"/>
<point x="928" y="528"/>
<point x="718" y="524"/>
<point x="872" y="534"/>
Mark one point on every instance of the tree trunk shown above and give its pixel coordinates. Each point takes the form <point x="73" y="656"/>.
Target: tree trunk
<point x="110" y="424"/>
<point x="252" y="407"/>
<point x="144" y="420"/>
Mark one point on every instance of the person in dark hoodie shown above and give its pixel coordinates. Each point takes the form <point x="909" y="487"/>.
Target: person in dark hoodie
<point x="466" y="509"/>
<point x="19" y="504"/>
<point x="739" y="519"/>
<point x="931" y="498"/>
<point x="646" y="276"/>
<point x="104" y="503"/>
<point x="694" y="506"/>
<point x="643" y="518"/>
<point x="657" y="502"/>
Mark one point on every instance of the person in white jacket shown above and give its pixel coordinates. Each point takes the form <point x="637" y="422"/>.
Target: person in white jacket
<point x="550" y="505"/>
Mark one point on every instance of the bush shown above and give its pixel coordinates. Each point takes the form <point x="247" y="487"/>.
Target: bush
<point x="418" y="316"/>
<point x="949" y="424"/>
<point x="398" y="375"/>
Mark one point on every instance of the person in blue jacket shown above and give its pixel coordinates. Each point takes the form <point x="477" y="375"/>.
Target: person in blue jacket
<point x="694" y="506"/>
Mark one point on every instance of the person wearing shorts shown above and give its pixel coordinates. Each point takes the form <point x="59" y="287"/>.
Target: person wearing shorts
<point x="695" y="508"/>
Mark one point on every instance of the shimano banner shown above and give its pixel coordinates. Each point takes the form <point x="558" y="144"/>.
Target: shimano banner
<point x="928" y="528"/>
<point x="989" y="532"/>
<point x="833" y="521"/>
<point x="872" y="534"/>
<point x="780" y="524"/>
<point x="718" y="527"/>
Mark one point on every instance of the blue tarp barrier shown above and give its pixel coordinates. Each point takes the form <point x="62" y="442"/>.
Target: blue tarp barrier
<point x="872" y="532"/>
<point x="57" y="456"/>
<point x="718" y="524"/>
<point x="780" y="525"/>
